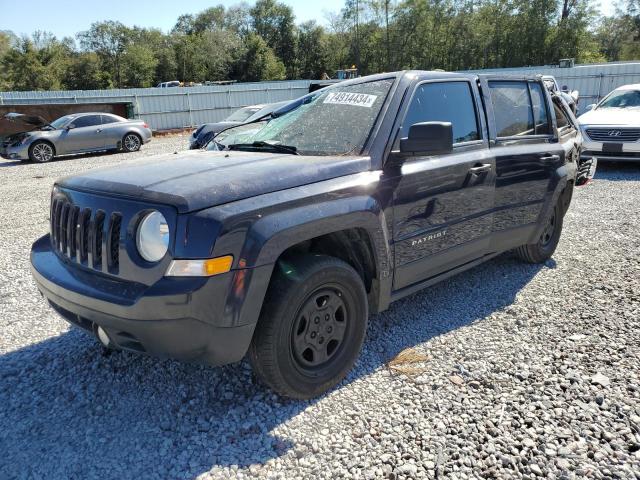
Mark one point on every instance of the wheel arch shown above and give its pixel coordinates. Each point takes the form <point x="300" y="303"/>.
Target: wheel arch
<point x="360" y="238"/>
<point x="44" y="140"/>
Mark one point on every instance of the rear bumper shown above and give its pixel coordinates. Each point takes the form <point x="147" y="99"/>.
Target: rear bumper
<point x="148" y="135"/>
<point x="205" y="320"/>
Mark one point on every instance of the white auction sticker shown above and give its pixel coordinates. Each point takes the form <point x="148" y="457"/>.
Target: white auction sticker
<point x="346" y="98"/>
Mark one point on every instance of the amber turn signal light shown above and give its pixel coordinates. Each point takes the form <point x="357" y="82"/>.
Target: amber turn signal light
<point x="200" y="268"/>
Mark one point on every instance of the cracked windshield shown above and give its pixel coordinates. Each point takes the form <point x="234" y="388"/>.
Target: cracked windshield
<point x="333" y="121"/>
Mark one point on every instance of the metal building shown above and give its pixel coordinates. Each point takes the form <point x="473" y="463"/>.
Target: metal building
<point x="168" y="108"/>
<point x="593" y="81"/>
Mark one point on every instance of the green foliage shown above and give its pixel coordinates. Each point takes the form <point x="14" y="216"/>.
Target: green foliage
<point x="313" y="51"/>
<point x="259" y="62"/>
<point x="275" y="23"/>
<point x="263" y="42"/>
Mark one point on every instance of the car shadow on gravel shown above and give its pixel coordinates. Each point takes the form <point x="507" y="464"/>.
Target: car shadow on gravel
<point x="80" y="156"/>
<point x="69" y="410"/>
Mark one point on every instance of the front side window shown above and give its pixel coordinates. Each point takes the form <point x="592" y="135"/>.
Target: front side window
<point x="87" y="121"/>
<point x="444" y="102"/>
<point x="621" y="99"/>
<point x="332" y="121"/>
<point x="512" y="108"/>
<point x="61" y="122"/>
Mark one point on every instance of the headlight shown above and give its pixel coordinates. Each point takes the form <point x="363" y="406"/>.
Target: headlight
<point x="152" y="238"/>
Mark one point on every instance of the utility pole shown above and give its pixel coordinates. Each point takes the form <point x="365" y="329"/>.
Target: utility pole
<point x="357" y="33"/>
<point x="386" y="21"/>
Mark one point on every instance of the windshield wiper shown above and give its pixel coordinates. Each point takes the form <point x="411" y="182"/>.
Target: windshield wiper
<point x="277" y="147"/>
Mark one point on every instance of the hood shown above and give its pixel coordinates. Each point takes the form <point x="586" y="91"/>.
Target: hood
<point x="194" y="180"/>
<point x="629" y="116"/>
<point x="15" y="138"/>
<point x="30" y="120"/>
<point x="215" y="127"/>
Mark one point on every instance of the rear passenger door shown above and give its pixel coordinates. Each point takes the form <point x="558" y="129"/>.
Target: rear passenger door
<point x="527" y="155"/>
<point x="443" y="204"/>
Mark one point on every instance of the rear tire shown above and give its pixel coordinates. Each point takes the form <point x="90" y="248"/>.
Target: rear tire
<point x="544" y="248"/>
<point x="41" y="152"/>
<point x="131" y="142"/>
<point x="311" y="327"/>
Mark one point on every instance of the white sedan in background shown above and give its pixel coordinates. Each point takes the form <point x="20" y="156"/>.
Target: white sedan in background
<point x="611" y="129"/>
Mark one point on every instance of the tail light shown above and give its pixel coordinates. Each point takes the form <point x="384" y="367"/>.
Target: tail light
<point x="145" y="125"/>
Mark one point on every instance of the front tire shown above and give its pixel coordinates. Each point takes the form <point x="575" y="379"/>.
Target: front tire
<point x="311" y="327"/>
<point x="131" y="142"/>
<point x="544" y="248"/>
<point x="41" y="152"/>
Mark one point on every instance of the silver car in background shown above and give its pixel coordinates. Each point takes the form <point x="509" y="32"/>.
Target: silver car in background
<point x="611" y="129"/>
<point x="72" y="134"/>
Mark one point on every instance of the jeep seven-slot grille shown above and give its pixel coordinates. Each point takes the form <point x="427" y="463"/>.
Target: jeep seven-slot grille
<point x="86" y="236"/>
<point x="613" y="134"/>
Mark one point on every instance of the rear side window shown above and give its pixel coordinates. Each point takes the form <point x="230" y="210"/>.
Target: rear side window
<point x="87" y="121"/>
<point x="444" y="102"/>
<point x="512" y="108"/>
<point x="540" y="117"/>
<point x="109" y="119"/>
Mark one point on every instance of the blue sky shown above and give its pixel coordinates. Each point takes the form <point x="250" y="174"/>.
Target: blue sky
<point x="67" y="17"/>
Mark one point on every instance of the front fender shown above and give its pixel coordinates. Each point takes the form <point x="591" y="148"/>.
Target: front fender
<point x="270" y="236"/>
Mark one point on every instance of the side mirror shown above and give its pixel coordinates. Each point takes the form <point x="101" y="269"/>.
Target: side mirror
<point x="70" y="127"/>
<point x="428" y="138"/>
<point x="590" y="107"/>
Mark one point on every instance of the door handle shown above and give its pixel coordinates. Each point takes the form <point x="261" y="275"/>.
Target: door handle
<point x="550" y="158"/>
<point x="98" y="130"/>
<point x="482" y="168"/>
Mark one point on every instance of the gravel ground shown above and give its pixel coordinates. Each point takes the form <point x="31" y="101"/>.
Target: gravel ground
<point x="518" y="371"/>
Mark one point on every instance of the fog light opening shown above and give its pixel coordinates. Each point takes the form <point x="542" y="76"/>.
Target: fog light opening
<point x="103" y="337"/>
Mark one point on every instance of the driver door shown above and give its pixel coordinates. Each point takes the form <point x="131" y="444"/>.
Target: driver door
<point x="443" y="204"/>
<point x="86" y="135"/>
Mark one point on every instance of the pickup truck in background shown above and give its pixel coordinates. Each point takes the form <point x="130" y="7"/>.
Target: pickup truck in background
<point x="281" y="242"/>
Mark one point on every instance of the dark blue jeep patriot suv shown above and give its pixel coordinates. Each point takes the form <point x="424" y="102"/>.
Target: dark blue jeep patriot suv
<point x="280" y="239"/>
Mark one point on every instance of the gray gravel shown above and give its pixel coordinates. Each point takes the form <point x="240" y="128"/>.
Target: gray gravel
<point x="526" y="371"/>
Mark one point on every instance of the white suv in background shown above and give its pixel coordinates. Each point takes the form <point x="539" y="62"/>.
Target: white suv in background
<point x="611" y="129"/>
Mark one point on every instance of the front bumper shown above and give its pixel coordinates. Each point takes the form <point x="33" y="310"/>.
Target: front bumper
<point x="204" y="320"/>
<point x="616" y="151"/>
<point x="194" y="144"/>
<point x="20" y="152"/>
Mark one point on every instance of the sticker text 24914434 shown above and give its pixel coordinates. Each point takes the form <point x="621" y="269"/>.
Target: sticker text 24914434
<point x="355" y="99"/>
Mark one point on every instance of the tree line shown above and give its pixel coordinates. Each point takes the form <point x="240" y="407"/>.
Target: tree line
<point x="263" y="42"/>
